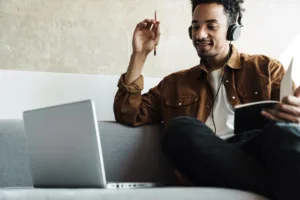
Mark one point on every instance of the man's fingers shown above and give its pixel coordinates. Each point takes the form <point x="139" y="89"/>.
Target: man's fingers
<point x="146" y="24"/>
<point x="277" y="115"/>
<point x="147" y="20"/>
<point x="270" y="116"/>
<point x="291" y="100"/>
<point x="149" y="23"/>
<point x="293" y="110"/>
<point x="297" y="92"/>
<point x="141" y="25"/>
<point x="149" y="26"/>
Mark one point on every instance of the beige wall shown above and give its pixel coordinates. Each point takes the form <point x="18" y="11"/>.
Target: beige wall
<point x="94" y="36"/>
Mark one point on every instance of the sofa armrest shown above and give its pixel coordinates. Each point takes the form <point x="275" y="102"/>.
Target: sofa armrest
<point x="14" y="163"/>
<point x="134" y="153"/>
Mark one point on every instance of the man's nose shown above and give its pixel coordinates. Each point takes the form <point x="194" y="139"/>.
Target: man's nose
<point x="201" y="33"/>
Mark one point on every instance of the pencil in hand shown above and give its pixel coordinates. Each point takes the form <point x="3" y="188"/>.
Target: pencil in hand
<point x="155" y="19"/>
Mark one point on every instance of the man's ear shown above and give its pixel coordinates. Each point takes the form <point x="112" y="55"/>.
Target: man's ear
<point x="190" y="32"/>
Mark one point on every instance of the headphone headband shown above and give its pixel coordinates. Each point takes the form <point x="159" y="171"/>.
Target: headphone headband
<point x="234" y="30"/>
<point x="239" y="20"/>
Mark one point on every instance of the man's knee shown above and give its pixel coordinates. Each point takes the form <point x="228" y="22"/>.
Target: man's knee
<point x="177" y="122"/>
<point x="181" y="120"/>
<point x="176" y="132"/>
<point x="181" y="132"/>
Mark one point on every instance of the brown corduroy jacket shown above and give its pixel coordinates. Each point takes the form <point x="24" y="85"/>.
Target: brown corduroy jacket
<point x="248" y="78"/>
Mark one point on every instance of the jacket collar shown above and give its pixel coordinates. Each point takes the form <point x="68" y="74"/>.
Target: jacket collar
<point x="234" y="62"/>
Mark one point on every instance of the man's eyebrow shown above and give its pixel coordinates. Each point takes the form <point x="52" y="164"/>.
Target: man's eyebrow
<point x="206" y="21"/>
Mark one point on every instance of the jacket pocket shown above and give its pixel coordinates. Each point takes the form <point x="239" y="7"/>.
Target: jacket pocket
<point x="258" y="89"/>
<point x="180" y="106"/>
<point x="180" y="102"/>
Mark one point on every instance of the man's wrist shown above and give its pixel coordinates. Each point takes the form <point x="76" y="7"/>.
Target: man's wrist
<point x="139" y="56"/>
<point x="134" y="69"/>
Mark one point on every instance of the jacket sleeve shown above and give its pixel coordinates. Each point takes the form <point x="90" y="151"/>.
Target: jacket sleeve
<point x="277" y="72"/>
<point x="133" y="108"/>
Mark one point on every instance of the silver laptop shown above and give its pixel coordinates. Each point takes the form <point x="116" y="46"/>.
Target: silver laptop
<point x="64" y="147"/>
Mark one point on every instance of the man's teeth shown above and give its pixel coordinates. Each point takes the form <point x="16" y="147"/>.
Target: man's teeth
<point x="204" y="43"/>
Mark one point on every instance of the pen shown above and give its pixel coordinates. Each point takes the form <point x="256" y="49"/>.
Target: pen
<point x="155" y="22"/>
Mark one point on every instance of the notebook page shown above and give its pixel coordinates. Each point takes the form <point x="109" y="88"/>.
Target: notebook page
<point x="286" y="87"/>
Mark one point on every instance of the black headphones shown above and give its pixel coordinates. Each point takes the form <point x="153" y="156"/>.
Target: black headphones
<point x="234" y="30"/>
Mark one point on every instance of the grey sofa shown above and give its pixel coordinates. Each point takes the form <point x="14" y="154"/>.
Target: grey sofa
<point x="121" y="145"/>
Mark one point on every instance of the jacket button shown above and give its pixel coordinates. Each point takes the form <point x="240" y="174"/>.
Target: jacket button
<point x="256" y="92"/>
<point x="180" y="104"/>
<point x="233" y="97"/>
<point x="227" y="81"/>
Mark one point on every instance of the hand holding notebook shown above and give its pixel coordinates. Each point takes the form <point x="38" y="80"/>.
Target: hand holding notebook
<point x="289" y="108"/>
<point x="250" y="116"/>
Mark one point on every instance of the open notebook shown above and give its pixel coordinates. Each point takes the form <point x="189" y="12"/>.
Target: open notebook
<point x="248" y="116"/>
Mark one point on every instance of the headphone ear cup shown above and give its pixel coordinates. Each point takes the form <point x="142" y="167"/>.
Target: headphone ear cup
<point x="190" y="32"/>
<point x="234" y="32"/>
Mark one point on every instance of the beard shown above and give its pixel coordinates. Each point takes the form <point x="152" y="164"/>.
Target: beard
<point x="205" y="48"/>
<point x="204" y="55"/>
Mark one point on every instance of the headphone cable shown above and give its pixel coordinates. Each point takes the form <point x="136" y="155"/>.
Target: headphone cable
<point x="219" y="87"/>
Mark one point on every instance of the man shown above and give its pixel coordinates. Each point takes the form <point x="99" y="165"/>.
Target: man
<point x="197" y="107"/>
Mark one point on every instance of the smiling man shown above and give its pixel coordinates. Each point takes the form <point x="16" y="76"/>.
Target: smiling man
<point x="197" y="104"/>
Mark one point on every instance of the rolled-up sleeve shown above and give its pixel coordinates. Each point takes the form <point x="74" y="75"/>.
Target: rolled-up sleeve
<point x="133" y="108"/>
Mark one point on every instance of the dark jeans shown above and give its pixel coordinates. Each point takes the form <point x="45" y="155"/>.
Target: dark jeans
<point x="264" y="161"/>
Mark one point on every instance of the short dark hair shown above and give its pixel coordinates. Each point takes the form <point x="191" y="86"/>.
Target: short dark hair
<point x="233" y="8"/>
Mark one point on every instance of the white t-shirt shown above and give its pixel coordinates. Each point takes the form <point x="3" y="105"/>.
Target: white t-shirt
<point x="223" y="110"/>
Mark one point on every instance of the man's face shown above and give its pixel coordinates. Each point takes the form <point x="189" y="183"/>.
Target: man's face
<point x="209" y="29"/>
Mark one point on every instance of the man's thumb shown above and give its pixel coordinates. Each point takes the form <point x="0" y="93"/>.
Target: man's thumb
<point x="297" y="92"/>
